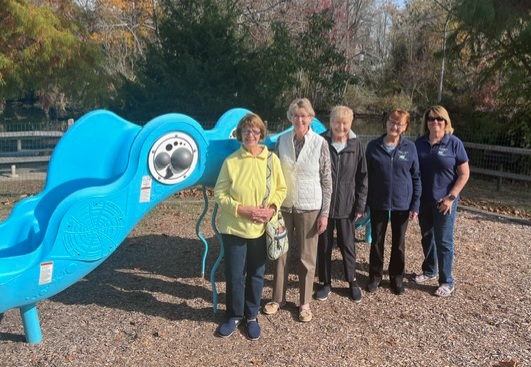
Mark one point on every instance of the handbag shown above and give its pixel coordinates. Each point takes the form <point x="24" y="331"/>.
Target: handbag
<point x="275" y="229"/>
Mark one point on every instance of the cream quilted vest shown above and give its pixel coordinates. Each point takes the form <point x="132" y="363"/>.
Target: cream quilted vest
<point x="302" y="176"/>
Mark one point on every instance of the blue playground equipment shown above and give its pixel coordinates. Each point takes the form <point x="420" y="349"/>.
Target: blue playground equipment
<point x="104" y="175"/>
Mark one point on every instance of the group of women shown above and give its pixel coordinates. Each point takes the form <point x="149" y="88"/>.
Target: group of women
<point x="322" y="184"/>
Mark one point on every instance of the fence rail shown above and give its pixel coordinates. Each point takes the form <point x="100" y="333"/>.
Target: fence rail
<point x="26" y="148"/>
<point x="503" y="163"/>
<point x="27" y="159"/>
<point x="498" y="148"/>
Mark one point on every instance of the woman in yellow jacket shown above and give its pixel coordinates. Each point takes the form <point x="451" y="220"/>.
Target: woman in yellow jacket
<point x="240" y="191"/>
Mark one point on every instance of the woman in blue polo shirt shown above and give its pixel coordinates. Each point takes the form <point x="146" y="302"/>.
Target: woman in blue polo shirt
<point x="394" y="193"/>
<point x="444" y="172"/>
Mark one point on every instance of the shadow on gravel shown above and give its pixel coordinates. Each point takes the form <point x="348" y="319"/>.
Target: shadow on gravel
<point x="155" y="275"/>
<point x="15" y="338"/>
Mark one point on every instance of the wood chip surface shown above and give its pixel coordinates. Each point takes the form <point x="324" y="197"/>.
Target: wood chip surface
<point x="147" y="305"/>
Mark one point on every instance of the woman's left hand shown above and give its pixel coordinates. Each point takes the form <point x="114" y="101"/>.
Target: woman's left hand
<point x="262" y="215"/>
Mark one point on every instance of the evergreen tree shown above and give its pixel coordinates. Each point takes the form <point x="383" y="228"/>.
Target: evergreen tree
<point x="197" y="68"/>
<point x="494" y="37"/>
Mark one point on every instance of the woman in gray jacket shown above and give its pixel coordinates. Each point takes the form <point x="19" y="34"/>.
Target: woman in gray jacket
<point x="349" y="193"/>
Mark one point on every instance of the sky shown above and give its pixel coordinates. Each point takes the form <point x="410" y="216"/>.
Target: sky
<point x="399" y="2"/>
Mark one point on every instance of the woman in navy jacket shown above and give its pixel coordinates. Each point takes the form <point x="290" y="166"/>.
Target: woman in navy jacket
<point x="394" y="193"/>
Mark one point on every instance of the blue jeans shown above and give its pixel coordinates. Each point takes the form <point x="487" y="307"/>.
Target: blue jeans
<point x="245" y="261"/>
<point x="437" y="232"/>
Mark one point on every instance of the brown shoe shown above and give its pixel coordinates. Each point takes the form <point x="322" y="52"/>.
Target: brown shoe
<point x="305" y="315"/>
<point x="271" y="308"/>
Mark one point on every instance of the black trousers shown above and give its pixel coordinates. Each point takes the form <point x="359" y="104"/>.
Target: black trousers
<point x="345" y="241"/>
<point x="399" y="222"/>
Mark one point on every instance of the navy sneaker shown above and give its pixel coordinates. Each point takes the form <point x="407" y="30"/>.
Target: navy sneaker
<point x="323" y="293"/>
<point x="226" y="329"/>
<point x="253" y="329"/>
<point x="355" y="292"/>
<point x="373" y="285"/>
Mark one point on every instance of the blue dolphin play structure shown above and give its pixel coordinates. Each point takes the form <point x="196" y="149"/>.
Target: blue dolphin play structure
<point x="104" y="175"/>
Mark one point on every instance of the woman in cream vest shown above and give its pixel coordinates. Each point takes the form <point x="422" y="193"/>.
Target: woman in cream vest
<point x="305" y="161"/>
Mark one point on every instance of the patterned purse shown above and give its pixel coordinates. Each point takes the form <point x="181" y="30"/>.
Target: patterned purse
<point x="275" y="229"/>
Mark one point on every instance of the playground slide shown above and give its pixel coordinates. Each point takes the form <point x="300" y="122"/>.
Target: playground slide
<point x="104" y="175"/>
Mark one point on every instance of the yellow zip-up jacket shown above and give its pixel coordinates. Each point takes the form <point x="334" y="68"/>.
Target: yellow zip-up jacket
<point x="242" y="181"/>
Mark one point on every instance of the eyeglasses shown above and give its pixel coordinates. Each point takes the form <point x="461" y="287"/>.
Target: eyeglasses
<point x="304" y="117"/>
<point x="396" y="124"/>
<point x="255" y="132"/>
<point x="438" y="119"/>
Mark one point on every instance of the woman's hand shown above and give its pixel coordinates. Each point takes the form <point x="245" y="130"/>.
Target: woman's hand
<point x="445" y="205"/>
<point x="263" y="215"/>
<point x="413" y="215"/>
<point x="322" y="223"/>
<point x="256" y="214"/>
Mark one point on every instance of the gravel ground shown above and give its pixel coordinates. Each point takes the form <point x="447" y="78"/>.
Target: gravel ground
<point x="147" y="305"/>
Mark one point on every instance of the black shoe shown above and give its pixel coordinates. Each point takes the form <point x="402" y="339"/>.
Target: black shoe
<point x="323" y="293"/>
<point x="397" y="287"/>
<point x="355" y="291"/>
<point x="373" y="285"/>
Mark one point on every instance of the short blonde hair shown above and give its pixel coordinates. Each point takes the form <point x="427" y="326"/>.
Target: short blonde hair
<point x="300" y="104"/>
<point x="342" y="113"/>
<point x="253" y="121"/>
<point x="441" y="112"/>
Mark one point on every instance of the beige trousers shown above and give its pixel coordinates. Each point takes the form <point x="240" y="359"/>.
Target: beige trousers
<point x="303" y="238"/>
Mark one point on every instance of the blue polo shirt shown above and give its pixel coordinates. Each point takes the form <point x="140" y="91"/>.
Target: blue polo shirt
<point x="438" y="166"/>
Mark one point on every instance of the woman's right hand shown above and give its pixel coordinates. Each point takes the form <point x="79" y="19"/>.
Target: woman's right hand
<point x="322" y="223"/>
<point x="445" y="206"/>
<point x="263" y="215"/>
<point x="256" y="214"/>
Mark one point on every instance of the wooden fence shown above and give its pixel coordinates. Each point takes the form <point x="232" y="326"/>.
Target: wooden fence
<point x="26" y="148"/>
<point x="500" y="162"/>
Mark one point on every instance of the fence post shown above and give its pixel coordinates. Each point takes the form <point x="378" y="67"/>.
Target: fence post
<point x="14" y="171"/>
<point x="500" y="178"/>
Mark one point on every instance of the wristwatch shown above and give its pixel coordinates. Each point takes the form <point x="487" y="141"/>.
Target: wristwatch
<point x="451" y="197"/>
